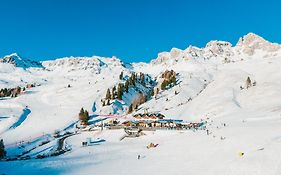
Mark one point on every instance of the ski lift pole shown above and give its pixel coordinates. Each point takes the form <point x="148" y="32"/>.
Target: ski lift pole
<point x="101" y="125"/>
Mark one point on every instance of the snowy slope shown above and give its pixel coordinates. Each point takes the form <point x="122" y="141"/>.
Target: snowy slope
<point x="208" y="88"/>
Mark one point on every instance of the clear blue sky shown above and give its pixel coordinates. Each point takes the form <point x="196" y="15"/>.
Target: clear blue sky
<point x="133" y="30"/>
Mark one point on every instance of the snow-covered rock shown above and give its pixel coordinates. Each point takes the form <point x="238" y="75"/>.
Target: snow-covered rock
<point x="248" y="46"/>
<point x="251" y="42"/>
<point x="17" y="61"/>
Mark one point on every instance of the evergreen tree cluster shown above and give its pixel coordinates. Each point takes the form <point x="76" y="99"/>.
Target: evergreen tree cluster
<point x="132" y="80"/>
<point x="2" y="149"/>
<point x="117" y="93"/>
<point x="140" y="99"/>
<point x="170" y="79"/>
<point x="14" y="92"/>
<point x="84" y="116"/>
<point x="120" y="91"/>
<point x="142" y="78"/>
<point x="11" y="92"/>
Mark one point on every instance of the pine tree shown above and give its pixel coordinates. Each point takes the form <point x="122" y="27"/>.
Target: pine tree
<point x="9" y="92"/>
<point x="133" y="76"/>
<point x="174" y="80"/>
<point x="121" y="76"/>
<point x="163" y="85"/>
<point x="81" y="113"/>
<point x="152" y="93"/>
<point x="248" y="82"/>
<point x="120" y="91"/>
<point x="130" y="81"/>
<point x="86" y="117"/>
<point x="157" y="91"/>
<point x="18" y="90"/>
<point x="142" y="78"/>
<point x="146" y="98"/>
<point x="108" y="95"/>
<point x="113" y="94"/>
<point x="127" y="86"/>
<point x="2" y="149"/>
<point x="130" y="109"/>
<point x="5" y="92"/>
<point x="134" y="79"/>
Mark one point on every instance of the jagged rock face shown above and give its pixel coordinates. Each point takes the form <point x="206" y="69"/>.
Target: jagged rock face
<point x="175" y="52"/>
<point x="252" y="42"/>
<point x="218" y="48"/>
<point x="223" y="51"/>
<point x="82" y="63"/>
<point x="73" y="63"/>
<point x="9" y="60"/>
<point x="247" y="45"/>
<point x="176" y="55"/>
<point x="162" y="57"/>
<point x="17" y="61"/>
<point x="193" y="52"/>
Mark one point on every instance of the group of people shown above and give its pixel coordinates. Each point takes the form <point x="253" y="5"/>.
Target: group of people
<point x="208" y="131"/>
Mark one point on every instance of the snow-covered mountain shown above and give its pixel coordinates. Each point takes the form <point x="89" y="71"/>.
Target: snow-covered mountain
<point x="211" y="85"/>
<point x="17" y="61"/>
<point x="250" y="45"/>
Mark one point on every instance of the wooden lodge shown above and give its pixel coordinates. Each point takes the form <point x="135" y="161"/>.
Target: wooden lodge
<point x="154" y="116"/>
<point x="152" y="122"/>
<point x="161" y="124"/>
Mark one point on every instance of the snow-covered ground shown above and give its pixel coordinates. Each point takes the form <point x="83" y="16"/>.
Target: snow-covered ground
<point x="208" y="85"/>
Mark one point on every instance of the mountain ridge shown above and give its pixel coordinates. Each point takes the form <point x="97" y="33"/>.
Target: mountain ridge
<point x="246" y="46"/>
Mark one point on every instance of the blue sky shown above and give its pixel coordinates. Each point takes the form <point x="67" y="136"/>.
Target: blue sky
<point x="133" y="30"/>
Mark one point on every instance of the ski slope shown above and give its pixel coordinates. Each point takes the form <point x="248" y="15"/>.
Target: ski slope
<point x="208" y="84"/>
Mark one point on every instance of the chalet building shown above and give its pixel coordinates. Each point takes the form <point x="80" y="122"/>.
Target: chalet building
<point x="143" y="124"/>
<point x="129" y="123"/>
<point x="156" y="116"/>
<point x="161" y="123"/>
<point x="157" y="121"/>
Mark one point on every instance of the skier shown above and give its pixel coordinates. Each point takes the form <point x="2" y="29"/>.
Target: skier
<point x="138" y="157"/>
<point x="241" y="154"/>
<point x="207" y="132"/>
